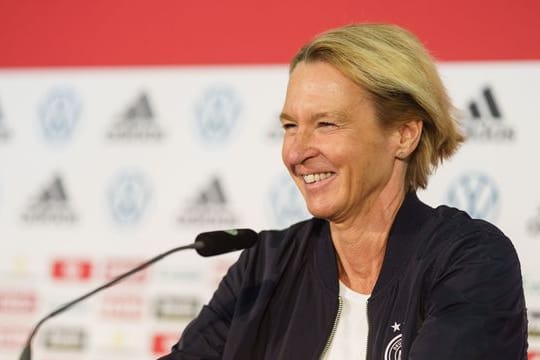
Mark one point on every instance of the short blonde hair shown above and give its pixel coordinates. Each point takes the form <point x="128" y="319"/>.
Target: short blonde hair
<point x="395" y="68"/>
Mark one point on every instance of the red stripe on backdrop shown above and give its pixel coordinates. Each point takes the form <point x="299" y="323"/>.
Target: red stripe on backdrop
<point x="175" y="32"/>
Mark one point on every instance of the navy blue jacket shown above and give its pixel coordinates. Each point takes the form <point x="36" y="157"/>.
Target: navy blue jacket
<point x="450" y="287"/>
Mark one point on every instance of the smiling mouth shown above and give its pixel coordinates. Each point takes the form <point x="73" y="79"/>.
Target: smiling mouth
<point x="313" y="178"/>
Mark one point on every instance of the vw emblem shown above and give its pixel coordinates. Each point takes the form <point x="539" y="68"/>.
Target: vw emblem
<point x="477" y="194"/>
<point x="128" y="197"/>
<point x="59" y="113"/>
<point x="216" y="114"/>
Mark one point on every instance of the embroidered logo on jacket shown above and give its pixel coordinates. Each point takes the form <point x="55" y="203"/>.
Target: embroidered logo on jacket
<point x="393" y="349"/>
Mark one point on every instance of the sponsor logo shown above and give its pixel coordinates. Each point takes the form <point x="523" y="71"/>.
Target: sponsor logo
<point x="477" y="194"/>
<point x="533" y="317"/>
<point x="117" y="342"/>
<point x="71" y="270"/>
<point x="65" y="338"/>
<point x="59" y="114"/>
<point x="209" y="207"/>
<point x="216" y="114"/>
<point x="51" y="205"/>
<point x="184" y="276"/>
<point x="162" y="343"/>
<point x="117" y="267"/>
<point x="129" y="195"/>
<point x="533" y="225"/>
<point x="18" y="269"/>
<point x="136" y="122"/>
<point x="286" y="203"/>
<point x="122" y="306"/>
<point x="484" y="120"/>
<point x="17" y="302"/>
<point x="13" y="336"/>
<point x="176" y="308"/>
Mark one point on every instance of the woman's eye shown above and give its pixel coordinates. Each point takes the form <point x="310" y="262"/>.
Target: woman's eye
<point x="287" y="126"/>
<point x="326" y="124"/>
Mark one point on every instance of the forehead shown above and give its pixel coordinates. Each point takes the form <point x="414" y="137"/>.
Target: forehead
<point x="320" y="85"/>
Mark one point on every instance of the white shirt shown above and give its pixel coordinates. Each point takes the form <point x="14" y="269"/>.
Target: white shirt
<point x="350" y="338"/>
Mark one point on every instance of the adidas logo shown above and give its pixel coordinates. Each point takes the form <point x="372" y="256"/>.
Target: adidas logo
<point x="484" y="119"/>
<point x="50" y="206"/>
<point x="136" y="123"/>
<point x="209" y="207"/>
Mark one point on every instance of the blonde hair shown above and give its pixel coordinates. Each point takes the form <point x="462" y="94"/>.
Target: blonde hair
<point x="395" y="68"/>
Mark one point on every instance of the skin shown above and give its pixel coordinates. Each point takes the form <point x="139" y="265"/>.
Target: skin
<point x="331" y="129"/>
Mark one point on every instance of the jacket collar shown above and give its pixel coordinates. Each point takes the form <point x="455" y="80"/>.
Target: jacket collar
<point x="404" y="235"/>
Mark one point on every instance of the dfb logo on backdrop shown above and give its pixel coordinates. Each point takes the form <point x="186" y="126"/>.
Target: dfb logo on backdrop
<point x="208" y="207"/>
<point x="136" y="122"/>
<point x="286" y="202"/>
<point x="216" y="114"/>
<point x="59" y="113"/>
<point x="477" y="194"/>
<point x="484" y="119"/>
<point x="51" y="205"/>
<point x="129" y="195"/>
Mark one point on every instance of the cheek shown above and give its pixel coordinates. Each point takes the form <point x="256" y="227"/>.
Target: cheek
<point x="284" y="151"/>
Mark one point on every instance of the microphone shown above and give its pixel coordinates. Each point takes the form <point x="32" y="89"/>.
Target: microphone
<point x="206" y="244"/>
<point x="220" y="242"/>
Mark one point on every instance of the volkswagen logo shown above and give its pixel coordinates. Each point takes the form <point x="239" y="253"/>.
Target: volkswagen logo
<point x="477" y="194"/>
<point x="216" y="114"/>
<point x="128" y="197"/>
<point x="59" y="113"/>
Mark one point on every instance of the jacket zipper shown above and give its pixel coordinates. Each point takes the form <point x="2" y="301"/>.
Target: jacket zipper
<point x="369" y="327"/>
<point x="334" y="328"/>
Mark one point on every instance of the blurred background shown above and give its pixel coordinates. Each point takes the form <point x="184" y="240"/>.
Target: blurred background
<point x="128" y="127"/>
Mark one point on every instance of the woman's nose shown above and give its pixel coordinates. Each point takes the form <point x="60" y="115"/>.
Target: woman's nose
<point x="298" y="147"/>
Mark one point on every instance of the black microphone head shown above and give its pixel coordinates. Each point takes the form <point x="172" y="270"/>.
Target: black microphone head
<point x="219" y="242"/>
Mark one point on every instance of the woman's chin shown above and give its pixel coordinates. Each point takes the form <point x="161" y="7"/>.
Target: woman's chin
<point x="320" y="212"/>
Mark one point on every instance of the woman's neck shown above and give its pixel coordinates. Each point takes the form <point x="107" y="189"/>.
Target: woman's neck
<point x="361" y="243"/>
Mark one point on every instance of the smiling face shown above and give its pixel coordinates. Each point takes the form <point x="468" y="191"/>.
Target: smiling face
<point x="339" y="156"/>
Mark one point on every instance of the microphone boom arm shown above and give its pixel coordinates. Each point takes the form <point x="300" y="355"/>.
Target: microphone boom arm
<point x="27" y="353"/>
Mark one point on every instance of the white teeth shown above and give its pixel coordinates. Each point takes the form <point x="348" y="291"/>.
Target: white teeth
<point x="311" y="178"/>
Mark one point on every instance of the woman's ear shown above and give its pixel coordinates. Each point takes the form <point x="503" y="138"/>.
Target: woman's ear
<point x="409" y="137"/>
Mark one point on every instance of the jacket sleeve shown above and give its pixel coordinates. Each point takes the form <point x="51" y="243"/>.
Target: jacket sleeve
<point x="475" y="307"/>
<point x="206" y="335"/>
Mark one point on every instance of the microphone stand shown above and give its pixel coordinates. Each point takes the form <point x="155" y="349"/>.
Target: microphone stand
<point x="27" y="350"/>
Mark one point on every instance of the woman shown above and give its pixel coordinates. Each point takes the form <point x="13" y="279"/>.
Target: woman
<point x="376" y="273"/>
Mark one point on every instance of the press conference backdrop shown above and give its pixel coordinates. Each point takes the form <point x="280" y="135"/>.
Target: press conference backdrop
<point x="105" y="167"/>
